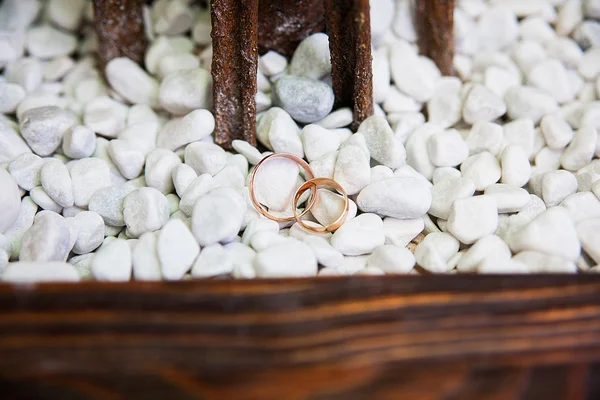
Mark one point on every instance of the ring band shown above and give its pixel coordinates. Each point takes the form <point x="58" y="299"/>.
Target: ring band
<point x="309" y="175"/>
<point x="314" y="184"/>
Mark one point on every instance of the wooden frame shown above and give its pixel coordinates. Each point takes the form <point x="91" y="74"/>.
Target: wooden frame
<point x="416" y="337"/>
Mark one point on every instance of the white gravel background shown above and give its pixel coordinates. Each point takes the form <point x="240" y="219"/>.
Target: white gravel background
<point x="495" y="170"/>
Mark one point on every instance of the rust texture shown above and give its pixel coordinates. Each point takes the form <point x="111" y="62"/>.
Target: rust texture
<point x="234" y="68"/>
<point x="435" y="22"/>
<point x="349" y="28"/>
<point x="282" y="24"/>
<point x="120" y="30"/>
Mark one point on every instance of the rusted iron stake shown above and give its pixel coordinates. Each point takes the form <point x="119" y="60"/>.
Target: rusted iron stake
<point x="234" y="66"/>
<point x="435" y="22"/>
<point x="282" y="24"/>
<point x="120" y="29"/>
<point x="349" y="28"/>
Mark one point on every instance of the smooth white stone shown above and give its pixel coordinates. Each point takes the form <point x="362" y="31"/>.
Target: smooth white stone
<point x="373" y="271"/>
<point x="31" y="272"/>
<point x="165" y="46"/>
<point x="193" y="127"/>
<point x="381" y="75"/>
<point x="276" y="182"/>
<point x="177" y="62"/>
<point x="298" y="232"/>
<point x="43" y="128"/>
<point x="25" y="72"/>
<point x="311" y="58"/>
<point x="212" y="261"/>
<point x="417" y="155"/>
<point x="184" y="91"/>
<point x="159" y="167"/>
<point x="259" y="225"/>
<point x="529" y="102"/>
<point x="11" y="143"/>
<point x="400" y="232"/>
<point x="569" y="16"/>
<point x="329" y="207"/>
<point x="21" y="224"/>
<point x="445" y="192"/>
<point x="146" y="265"/>
<point x="262" y="240"/>
<point x="520" y="132"/>
<point x="324" y="167"/>
<point x="105" y="116"/>
<point x="557" y="132"/>
<point x="79" y="142"/>
<point x="590" y="239"/>
<point x="41" y="198"/>
<point x="582" y="206"/>
<point x="90" y="231"/>
<point x="442" y="173"/>
<point x="483" y="168"/>
<point x="516" y="169"/>
<point x="11" y="94"/>
<point x="509" y="198"/>
<point x="128" y="159"/>
<point x="403" y="24"/>
<point x="132" y="82"/>
<point x="67" y="14"/>
<point x="565" y="50"/>
<point x="485" y="136"/>
<point x="435" y="250"/>
<point x="447" y="149"/>
<point x="10" y="200"/>
<point x="414" y="75"/>
<point x="551" y="76"/>
<point x="88" y="175"/>
<point x="306" y="100"/>
<point x="25" y="170"/>
<point x="108" y="203"/>
<point x="287" y="260"/>
<point x="499" y="80"/>
<point x="247" y="150"/>
<point x="177" y="249"/>
<point x="392" y="259"/>
<point x="318" y="141"/>
<point x="472" y="218"/>
<point x="49" y="239"/>
<point x="380" y="172"/>
<point x="488" y="249"/>
<point x="174" y="17"/>
<point x="405" y="123"/>
<point x="144" y="210"/>
<point x="197" y="188"/>
<point x="538" y="262"/>
<point x="278" y="124"/>
<point x="381" y="142"/>
<point x="445" y="108"/>
<point x="381" y="17"/>
<point x="398" y="197"/>
<point x="205" y="158"/>
<point x="557" y="186"/>
<point x="183" y="176"/>
<point x="581" y="150"/>
<point x="397" y="101"/>
<point x="272" y="63"/>
<point x="56" y="181"/>
<point x="113" y="261"/>
<point x="481" y="104"/>
<point x="218" y="216"/>
<point x="44" y="41"/>
<point x="496" y="29"/>
<point x="552" y="232"/>
<point x="360" y="235"/>
<point x="352" y="169"/>
<point x="327" y="255"/>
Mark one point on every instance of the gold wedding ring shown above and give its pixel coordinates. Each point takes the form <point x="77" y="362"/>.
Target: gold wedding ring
<point x="309" y="175"/>
<point x="313" y="184"/>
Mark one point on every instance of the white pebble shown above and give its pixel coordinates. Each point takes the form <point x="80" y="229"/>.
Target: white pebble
<point x="10" y="200"/>
<point x="582" y="206"/>
<point x="557" y="186"/>
<point x="79" y="142"/>
<point x="551" y="76"/>
<point x="417" y="155"/>
<point x="326" y="254"/>
<point x="339" y="118"/>
<point x="43" y="128"/>
<point x="581" y="150"/>
<point x="113" y="261"/>
<point x="247" y="150"/>
<point x="90" y="231"/>
<point x="311" y="58"/>
<point x="329" y="206"/>
<point x="447" y="149"/>
<point x="11" y="94"/>
<point x="159" y="167"/>
<point x="496" y="29"/>
<point x="318" y="141"/>
<point x="88" y="175"/>
<point x="145" y="210"/>
<point x="67" y="14"/>
<point x="435" y="250"/>
<point x="472" y="218"/>
<point x="445" y="192"/>
<point x="538" y="262"/>
<point x="212" y="261"/>
<point x="529" y="102"/>
<point x="516" y="169"/>
<point x="218" y="216"/>
<point x="590" y="239"/>
<point x="25" y="170"/>
<point x="557" y="132"/>
<point x="49" y="239"/>
<point x="552" y="232"/>
<point x="290" y="259"/>
<point x="29" y="272"/>
<point x="442" y="173"/>
<point x="193" y="127"/>
<point x="146" y="265"/>
<point x="485" y="136"/>
<point x="414" y="75"/>
<point x="56" y="181"/>
<point x="400" y="232"/>
<point x="482" y="104"/>
<point x="183" y="176"/>
<point x="360" y="235"/>
<point x="483" y="168"/>
<point x="262" y="240"/>
<point x="488" y="248"/>
<point x="44" y="41"/>
<point x="352" y="169"/>
<point x="132" y="82"/>
<point x="277" y="124"/>
<point x="381" y="142"/>
<point x="306" y="100"/>
<point x="272" y="63"/>
<point x="105" y="116"/>
<point x="128" y="159"/>
<point x="380" y="172"/>
<point x="184" y="91"/>
<point x="509" y="198"/>
<point x="392" y="259"/>
<point x="177" y="62"/>
<point x="398" y="197"/>
<point x="41" y="198"/>
<point x="25" y="72"/>
<point x="108" y="203"/>
<point x="177" y="249"/>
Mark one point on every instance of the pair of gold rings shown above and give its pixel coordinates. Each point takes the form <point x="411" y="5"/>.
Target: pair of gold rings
<point x="311" y="184"/>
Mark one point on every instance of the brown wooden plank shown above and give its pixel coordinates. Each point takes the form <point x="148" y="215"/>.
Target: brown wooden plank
<point x="234" y="67"/>
<point x="120" y="30"/>
<point x="348" y="25"/>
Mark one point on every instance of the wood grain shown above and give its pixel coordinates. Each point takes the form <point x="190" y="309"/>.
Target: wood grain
<point x="434" y="337"/>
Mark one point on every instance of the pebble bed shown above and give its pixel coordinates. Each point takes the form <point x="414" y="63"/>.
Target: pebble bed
<point x="495" y="170"/>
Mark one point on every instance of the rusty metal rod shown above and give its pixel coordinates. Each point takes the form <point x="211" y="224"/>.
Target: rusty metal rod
<point x="435" y="25"/>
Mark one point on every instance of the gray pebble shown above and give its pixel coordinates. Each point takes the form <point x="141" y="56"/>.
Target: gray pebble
<point x="306" y="100"/>
<point x="43" y="128"/>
